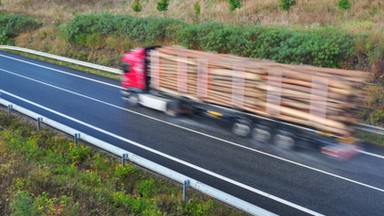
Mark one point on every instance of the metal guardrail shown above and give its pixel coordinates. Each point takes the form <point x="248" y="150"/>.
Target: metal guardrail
<point x="370" y="128"/>
<point x="125" y="155"/>
<point x="64" y="59"/>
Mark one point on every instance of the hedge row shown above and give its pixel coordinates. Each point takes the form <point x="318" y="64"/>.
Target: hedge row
<point x="146" y="31"/>
<point x="12" y="25"/>
<point x="326" y="47"/>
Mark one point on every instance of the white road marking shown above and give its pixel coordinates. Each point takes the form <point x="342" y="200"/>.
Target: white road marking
<point x="203" y="134"/>
<point x="60" y="71"/>
<point x="371" y="154"/>
<point x="262" y="193"/>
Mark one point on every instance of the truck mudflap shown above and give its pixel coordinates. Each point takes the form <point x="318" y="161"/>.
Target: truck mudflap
<point x="342" y="151"/>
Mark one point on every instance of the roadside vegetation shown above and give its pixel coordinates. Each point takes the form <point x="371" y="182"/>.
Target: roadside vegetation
<point x="45" y="173"/>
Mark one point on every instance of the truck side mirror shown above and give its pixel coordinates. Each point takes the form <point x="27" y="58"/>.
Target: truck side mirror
<point x="125" y="67"/>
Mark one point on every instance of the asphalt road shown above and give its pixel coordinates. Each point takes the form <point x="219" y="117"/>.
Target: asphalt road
<point x="281" y="181"/>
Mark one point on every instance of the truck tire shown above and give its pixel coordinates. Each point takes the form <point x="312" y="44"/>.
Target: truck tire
<point x="262" y="134"/>
<point x="242" y="127"/>
<point x="285" y="140"/>
<point x="133" y="99"/>
<point x="172" y="108"/>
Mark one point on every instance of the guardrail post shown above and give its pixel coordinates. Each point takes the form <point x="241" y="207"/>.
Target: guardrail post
<point x="39" y="121"/>
<point x="185" y="187"/>
<point x="124" y="158"/>
<point x="76" y="138"/>
<point x="10" y="107"/>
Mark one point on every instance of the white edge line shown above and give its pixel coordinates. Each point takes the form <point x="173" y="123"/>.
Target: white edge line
<point x="371" y="154"/>
<point x="254" y="190"/>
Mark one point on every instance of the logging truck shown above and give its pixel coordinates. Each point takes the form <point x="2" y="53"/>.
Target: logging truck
<point x="288" y="105"/>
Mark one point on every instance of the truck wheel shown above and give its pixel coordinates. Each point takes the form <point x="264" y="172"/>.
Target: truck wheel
<point x="262" y="134"/>
<point x="242" y="127"/>
<point x="172" y="108"/>
<point x="133" y="99"/>
<point x="285" y="140"/>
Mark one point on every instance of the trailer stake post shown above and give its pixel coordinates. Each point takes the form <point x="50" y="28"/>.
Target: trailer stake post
<point x="123" y="159"/>
<point x="185" y="187"/>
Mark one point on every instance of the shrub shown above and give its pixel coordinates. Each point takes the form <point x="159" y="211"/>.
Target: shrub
<point x="147" y="188"/>
<point x="4" y="39"/>
<point x="162" y="5"/>
<point x="22" y="204"/>
<point x="125" y="171"/>
<point x="194" y="36"/>
<point x="328" y="47"/>
<point x="197" y="9"/>
<point x="13" y="24"/>
<point x="344" y="4"/>
<point x="94" y="41"/>
<point x="234" y="4"/>
<point x="78" y="153"/>
<point x="136" y="6"/>
<point x="161" y="30"/>
<point x="377" y="116"/>
<point x="90" y="30"/>
<point x="287" y="5"/>
<point x="320" y="48"/>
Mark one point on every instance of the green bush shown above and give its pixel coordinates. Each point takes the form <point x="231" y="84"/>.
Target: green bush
<point x="147" y="187"/>
<point x="321" y="48"/>
<point x="234" y="4"/>
<point x="328" y="47"/>
<point x="344" y="4"/>
<point x="12" y="25"/>
<point x="220" y="40"/>
<point x="195" y="36"/>
<point x="4" y="39"/>
<point x="148" y="31"/>
<point x="377" y="116"/>
<point x="161" y="30"/>
<point x="22" y="204"/>
<point x="125" y="171"/>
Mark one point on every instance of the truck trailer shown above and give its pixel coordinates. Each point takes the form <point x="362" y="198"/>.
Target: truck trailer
<point x="287" y="105"/>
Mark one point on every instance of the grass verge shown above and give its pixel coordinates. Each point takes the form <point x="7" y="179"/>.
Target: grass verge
<point x="44" y="173"/>
<point x="370" y="137"/>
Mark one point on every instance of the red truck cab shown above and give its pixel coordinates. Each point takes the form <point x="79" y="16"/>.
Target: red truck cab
<point x="134" y="68"/>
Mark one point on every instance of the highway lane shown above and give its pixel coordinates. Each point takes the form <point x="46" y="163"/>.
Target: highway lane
<point x="283" y="174"/>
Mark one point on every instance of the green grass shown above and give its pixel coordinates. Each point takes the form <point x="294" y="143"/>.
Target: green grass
<point x="370" y="137"/>
<point x="45" y="173"/>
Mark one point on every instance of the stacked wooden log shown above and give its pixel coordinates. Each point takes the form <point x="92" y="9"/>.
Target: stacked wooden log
<point x="321" y="98"/>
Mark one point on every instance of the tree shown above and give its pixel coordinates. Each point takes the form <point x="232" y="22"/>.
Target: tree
<point x="344" y="5"/>
<point x="136" y="6"/>
<point x="197" y="8"/>
<point x="162" y="5"/>
<point x="234" y="4"/>
<point x="287" y="5"/>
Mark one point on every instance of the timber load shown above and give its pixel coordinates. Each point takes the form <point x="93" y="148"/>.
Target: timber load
<point x="321" y="98"/>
